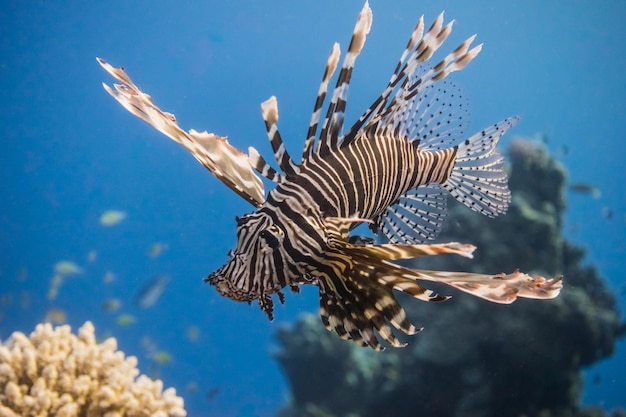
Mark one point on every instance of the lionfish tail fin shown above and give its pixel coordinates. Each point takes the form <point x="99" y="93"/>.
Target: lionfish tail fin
<point x="227" y="163"/>
<point x="500" y="288"/>
<point x="478" y="179"/>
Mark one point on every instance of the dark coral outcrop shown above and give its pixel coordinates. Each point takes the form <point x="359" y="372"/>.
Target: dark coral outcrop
<point x="474" y="358"/>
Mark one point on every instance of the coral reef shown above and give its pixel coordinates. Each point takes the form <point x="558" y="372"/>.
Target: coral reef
<point x="55" y="373"/>
<point x="474" y="358"/>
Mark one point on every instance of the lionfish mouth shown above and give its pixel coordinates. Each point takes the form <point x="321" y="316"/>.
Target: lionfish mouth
<point x="219" y="279"/>
<point x="214" y="278"/>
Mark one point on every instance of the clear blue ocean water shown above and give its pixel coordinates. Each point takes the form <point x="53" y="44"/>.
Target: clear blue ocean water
<point x="70" y="153"/>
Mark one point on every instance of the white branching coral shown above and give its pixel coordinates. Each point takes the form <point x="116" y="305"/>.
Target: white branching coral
<point x="55" y="373"/>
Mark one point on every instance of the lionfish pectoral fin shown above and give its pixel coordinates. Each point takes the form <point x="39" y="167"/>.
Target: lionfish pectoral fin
<point x="360" y="309"/>
<point x="500" y="288"/>
<point x="393" y="252"/>
<point x="358" y="303"/>
<point x="227" y="163"/>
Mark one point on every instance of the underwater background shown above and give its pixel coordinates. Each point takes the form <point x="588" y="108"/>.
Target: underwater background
<point x="96" y="204"/>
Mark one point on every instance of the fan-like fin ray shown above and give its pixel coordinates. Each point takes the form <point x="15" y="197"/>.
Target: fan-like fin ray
<point x="478" y="179"/>
<point x="417" y="216"/>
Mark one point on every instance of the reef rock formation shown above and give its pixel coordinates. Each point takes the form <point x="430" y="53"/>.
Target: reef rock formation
<point x="474" y="358"/>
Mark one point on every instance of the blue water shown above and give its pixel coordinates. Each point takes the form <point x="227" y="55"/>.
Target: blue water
<point x="70" y="152"/>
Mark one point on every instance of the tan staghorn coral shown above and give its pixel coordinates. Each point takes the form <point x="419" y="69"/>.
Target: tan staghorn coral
<point x="55" y="373"/>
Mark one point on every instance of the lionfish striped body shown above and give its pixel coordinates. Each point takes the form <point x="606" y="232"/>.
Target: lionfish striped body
<point x="392" y="169"/>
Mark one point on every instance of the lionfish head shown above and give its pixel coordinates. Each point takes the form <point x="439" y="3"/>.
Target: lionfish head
<point x="255" y="269"/>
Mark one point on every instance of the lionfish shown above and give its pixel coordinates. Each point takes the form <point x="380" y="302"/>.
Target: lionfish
<point x="392" y="169"/>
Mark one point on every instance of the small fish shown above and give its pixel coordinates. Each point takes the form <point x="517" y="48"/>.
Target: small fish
<point x="67" y="268"/>
<point x="148" y="345"/>
<point x="108" y="277"/>
<point x="56" y="280"/>
<point x="193" y="333"/>
<point x="112" y="217"/>
<point x="55" y="316"/>
<point x="392" y="170"/>
<point x="6" y="300"/>
<point x="55" y="284"/>
<point x="585" y="188"/>
<point x="22" y="274"/>
<point x="111" y="305"/>
<point x="192" y="387"/>
<point x="150" y="293"/>
<point x="92" y="256"/>
<point x="125" y="320"/>
<point x="162" y="357"/>
<point x="597" y="379"/>
<point x="212" y="393"/>
<point x="24" y="300"/>
<point x="53" y="293"/>
<point x="607" y="213"/>
<point x="156" y="249"/>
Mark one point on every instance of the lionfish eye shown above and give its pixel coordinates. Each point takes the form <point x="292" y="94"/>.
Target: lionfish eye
<point x="272" y="241"/>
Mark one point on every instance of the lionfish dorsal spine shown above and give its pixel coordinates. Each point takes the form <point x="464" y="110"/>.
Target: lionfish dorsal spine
<point x="333" y="123"/>
<point x="269" y="110"/>
<point x="331" y="66"/>
<point x="420" y="48"/>
<point x="262" y="167"/>
<point x="397" y="75"/>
